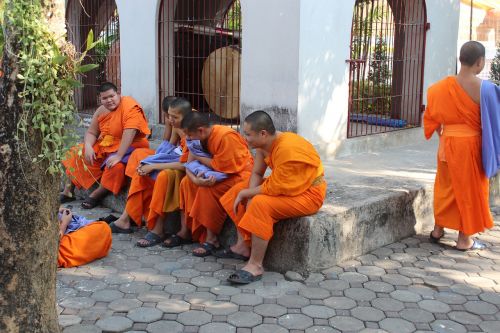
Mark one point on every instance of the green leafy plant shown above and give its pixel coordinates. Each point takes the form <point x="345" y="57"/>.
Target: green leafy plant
<point x="47" y="76"/>
<point x="495" y="67"/>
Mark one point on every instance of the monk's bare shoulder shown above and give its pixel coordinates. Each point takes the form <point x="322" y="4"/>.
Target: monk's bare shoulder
<point x="100" y="111"/>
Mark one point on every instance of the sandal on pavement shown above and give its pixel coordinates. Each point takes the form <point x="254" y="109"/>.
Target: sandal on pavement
<point x="90" y="203"/>
<point x="151" y="240"/>
<point x="435" y="240"/>
<point x="174" y="241"/>
<point x="63" y="198"/>
<point x="229" y="254"/>
<point x="243" y="277"/>
<point x="117" y="230"/>
<point x="108" y="219"/>
<point x="476" y="245"/>
<point x="209" y="250"/>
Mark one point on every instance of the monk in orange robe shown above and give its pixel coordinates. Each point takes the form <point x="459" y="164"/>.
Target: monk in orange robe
<point x="147" y="196"/>
<point x="461" y="188"/>
<point x="295" y="187"/>
<point x="90" y="241"/>
<point x="118" y="126"/>
<point x="202" y="215"/>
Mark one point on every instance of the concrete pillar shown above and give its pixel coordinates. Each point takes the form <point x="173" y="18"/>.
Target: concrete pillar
<point x="138" y="43"/>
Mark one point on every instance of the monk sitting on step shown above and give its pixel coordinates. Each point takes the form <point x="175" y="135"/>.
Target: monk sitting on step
<point x="202" y="215"/>
<point x="294" y="188"/>
<point x="117" y="128"/>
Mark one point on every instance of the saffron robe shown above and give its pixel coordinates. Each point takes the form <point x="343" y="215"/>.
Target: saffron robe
<point x="128" y="115"/>
<point x="461" y="188"/>
<point x="84" y="245"/>
<point x="295" y="187"/>
<point x="200" y="204"/>
<point x="146" y="196"/>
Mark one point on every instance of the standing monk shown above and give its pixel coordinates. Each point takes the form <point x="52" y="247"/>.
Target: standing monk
<point x="202" y="215"/>
<point x="148" y="194"/>
<point x="118" y="126"/>
<point x="295" y="187"/>
<point x="461" y="188"/>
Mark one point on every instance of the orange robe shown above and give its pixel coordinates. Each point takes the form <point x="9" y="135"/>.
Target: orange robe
<point x="201" y="205"/>
<point x="128" y="115"/>
<point x="296" y="187"/>
<point x="85" y="245"/>
<point x="461" y="189"/>
<point x="146" y="197"/>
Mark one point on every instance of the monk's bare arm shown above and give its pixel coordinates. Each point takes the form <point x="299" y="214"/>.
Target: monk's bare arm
<point x="167" y="134"/>
<point x="145" y="169"/>
<point x="259" y="168"/>
<point x="174" y="136"/>
<point x="127" y="138"/>
<point x="207" y="161"/>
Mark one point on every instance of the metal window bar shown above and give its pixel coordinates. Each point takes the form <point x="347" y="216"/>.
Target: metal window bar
<point x="199" y="43"/>
<point x="386" y="66"/>
<point x="100" y="16"/>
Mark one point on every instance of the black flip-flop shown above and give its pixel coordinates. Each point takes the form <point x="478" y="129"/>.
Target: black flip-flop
<point x="175" y="241"/>
<point x="63" y="198"/>
<point x="243" y="277"/>
<point x="90" y="203"/>
<point x="435" y="240"/>
<point x="108" y="219"/>
<point x="209" y="250"/>
<point x="476" y="246"/>
<point x="229" y="254"/>
<point x="151" y="238"/>
<point x="117" y="230"/>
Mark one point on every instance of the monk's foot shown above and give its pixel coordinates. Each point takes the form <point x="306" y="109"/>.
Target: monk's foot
<point x="176" y="240"/>
<point x="121" y="223"/>
<point x="474" y="245"/>
<point x="206" y="249"/>
<point x="254" y="269"/>
<point x="240" y="249"/>
<point x="150" y="239"/>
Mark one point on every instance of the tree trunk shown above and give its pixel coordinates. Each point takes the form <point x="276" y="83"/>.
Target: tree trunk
<point x="28" y="207"/>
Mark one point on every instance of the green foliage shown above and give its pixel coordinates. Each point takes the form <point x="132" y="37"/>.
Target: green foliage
<point x="379" y="72"/>
<point x="233" y="17"/>
<point x="495" y="67"/>
<point x="47" y="77"/>
<point x="371" y="99"/>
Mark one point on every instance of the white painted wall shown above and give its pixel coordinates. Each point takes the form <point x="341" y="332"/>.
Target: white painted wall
<point x="325" y="36"/>
<point x="138" y="56"/>
<point x="270" y="54"/>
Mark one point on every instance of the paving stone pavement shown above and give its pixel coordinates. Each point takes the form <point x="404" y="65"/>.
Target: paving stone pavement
<point x="408" y="286"/>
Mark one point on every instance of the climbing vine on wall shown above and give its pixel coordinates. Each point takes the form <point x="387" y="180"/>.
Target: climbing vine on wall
<point x="48" y="68"/>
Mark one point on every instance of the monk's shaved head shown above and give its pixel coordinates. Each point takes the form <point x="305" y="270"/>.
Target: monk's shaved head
<point x="471" y="52"/>
<point x="165" y="104"/>
<point x="260" y="120"/>
<point x="194" y="120"/>
<point x="181" y="105"/>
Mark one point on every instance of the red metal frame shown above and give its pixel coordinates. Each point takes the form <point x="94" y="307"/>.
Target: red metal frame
<point x="386" y="66"/>
<point x="187" y="35"/>
<point x="102" y="17"/>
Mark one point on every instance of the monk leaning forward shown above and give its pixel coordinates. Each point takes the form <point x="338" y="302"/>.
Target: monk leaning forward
<point x="156" y="176"/>
<point x="118" y="127"/>
<point x="461" y="188"/>
<point x="202" y="215"/>
<point x="295" y="187"/>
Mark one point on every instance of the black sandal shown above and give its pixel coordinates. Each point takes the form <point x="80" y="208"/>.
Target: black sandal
<point x="175" y="241"/>
<point x="229" y="254"/>
<point x="108" y="219"/>
<point x="151" y="238"/>
<point x="435" y="240"/>
<point x="90" y="203"/>
<point x="243" y="277"/>
<point x="209" y="250"/>
<point x="63" y="198"/>
<point x="118" y="230"/>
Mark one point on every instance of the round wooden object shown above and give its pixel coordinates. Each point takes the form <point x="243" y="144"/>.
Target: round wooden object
<point x="220" y="81"/>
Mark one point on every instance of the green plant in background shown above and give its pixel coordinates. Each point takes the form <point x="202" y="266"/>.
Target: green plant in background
<point x="495" y="67"/>
<point x="47" y="74"/>
<point x="233" y="17"/>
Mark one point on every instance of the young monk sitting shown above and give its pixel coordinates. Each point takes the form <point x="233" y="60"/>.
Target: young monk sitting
<point x="202" y="215"/>
<point x="118" y="127"/>
<point x="154" y="187"/>
<point x="81" y="240"/>
<point x="461" y="189"/>
<point x="294" y="188"/>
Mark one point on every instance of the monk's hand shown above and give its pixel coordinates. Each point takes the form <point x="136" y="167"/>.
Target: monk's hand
<point x="145" y="169"/>
<point x="112" y="161"/>
<point x="89" y="155"/>
<point x="207" y="182"/>
<point x="240" y="199"/>
<point x="191" y="157"/>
